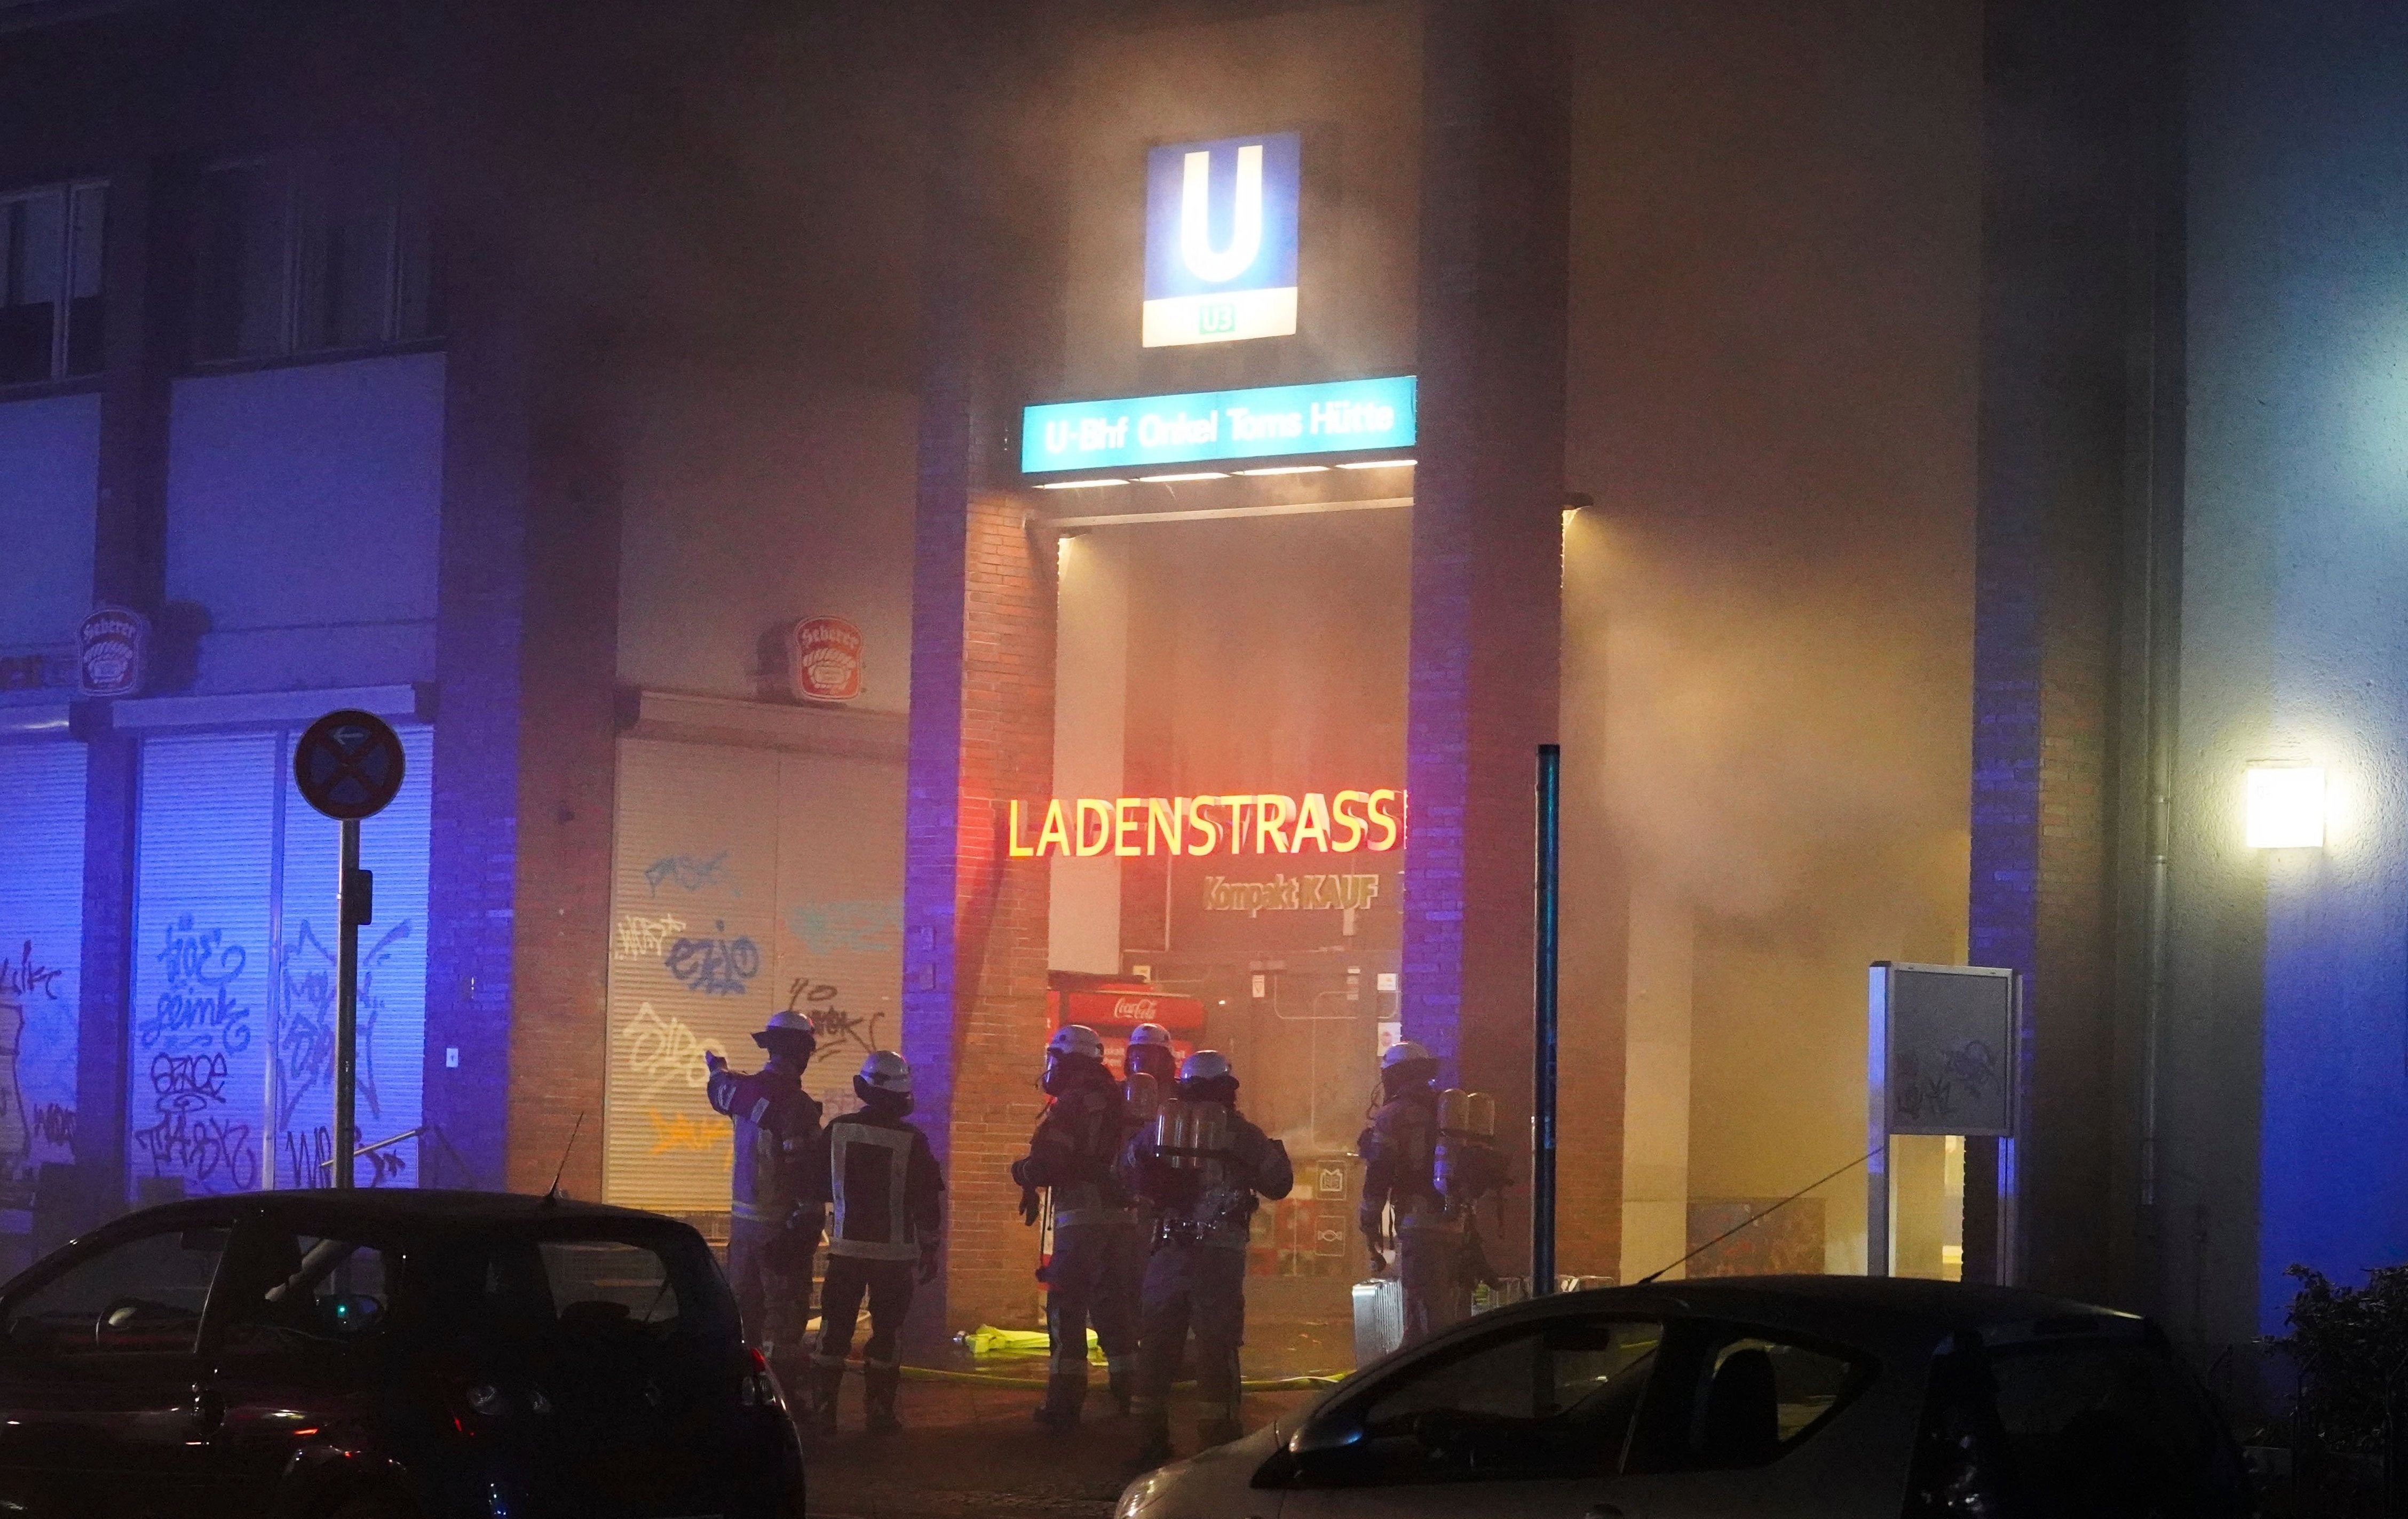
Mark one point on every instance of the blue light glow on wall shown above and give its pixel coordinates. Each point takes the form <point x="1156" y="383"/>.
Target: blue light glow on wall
<point x="1342" y="416"/>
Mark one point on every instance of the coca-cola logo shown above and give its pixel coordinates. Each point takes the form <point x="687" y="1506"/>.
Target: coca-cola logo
<point x="1137" y="1009"/>
<point x="823" y="659"/>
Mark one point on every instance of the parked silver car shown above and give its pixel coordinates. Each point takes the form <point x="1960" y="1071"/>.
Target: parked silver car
<point x="1766" y="1396"/>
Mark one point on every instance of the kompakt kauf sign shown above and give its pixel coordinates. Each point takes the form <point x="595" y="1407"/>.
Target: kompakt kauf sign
<point x="1342" y="416"/>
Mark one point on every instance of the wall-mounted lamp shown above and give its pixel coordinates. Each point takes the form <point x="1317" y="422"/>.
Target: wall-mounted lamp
<point x="2285" y="805"/>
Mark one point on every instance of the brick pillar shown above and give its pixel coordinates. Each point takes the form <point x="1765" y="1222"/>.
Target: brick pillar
<point x="144" y="291"/>
<point x="1487" y="536"/>
<point x="2049" y="518"/>
<point x="567" y="747"/>
<point x="472" y="867"/>
<point x="525" y="749"/>
<point x="974" y="918"/>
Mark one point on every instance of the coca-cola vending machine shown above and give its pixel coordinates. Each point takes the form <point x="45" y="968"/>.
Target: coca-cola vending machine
<point x="1113" y="1006"/>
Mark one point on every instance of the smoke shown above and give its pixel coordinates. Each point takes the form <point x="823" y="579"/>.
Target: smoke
<point x="1773" y="736"/>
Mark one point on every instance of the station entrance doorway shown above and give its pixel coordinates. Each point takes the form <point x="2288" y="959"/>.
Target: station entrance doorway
<point x="1229" y="761"/>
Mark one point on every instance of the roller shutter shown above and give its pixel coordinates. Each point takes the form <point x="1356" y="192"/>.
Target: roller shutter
<point x="41" y="956"/>
<point x="746" y="880"/>
<point x="232" y="1048"/>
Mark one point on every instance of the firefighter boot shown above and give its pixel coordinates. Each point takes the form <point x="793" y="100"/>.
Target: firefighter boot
<point x="1123" y="1371"/>
<point x="882" y="1382"/>
<point x="1153" y="1430"/>
<point x="827" y="1381"/>
<point x="1065" y="1394"/>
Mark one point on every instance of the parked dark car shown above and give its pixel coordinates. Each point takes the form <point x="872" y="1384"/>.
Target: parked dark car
<point x="386" y="1355"/>
<point x="1786" y="1397"/>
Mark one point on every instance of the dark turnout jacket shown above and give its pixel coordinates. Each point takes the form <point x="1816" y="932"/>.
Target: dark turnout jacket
<point x="1075" y="1151"/>
<point x="880" y="1182"/>
<point x="777" y="1134"/>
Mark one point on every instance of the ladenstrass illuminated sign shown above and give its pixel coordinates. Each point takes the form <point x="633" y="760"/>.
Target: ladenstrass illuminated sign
<point x="1267" y="822"/>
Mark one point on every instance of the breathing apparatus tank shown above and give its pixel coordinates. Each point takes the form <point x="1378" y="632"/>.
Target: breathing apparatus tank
<point x="1144" y="1095"/>
<point x="1467" y="1164"/>
<point x="1192" y="1135"/>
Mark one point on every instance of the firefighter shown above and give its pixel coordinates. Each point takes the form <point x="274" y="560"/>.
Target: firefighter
<point x="1202" y="1166"/>
<point x="775" y="1223"/>
<point x="1149" y="1055"/>
<point x="1400" y="1168"/>
<point x="880" y="1180"/>
<point x="1075" y="1151"/>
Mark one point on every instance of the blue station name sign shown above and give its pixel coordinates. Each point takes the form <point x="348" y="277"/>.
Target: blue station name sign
<point x="1339" y="416"/>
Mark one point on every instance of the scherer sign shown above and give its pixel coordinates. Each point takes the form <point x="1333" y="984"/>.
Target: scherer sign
<point x="823" y="659"/>
<point x="1270" y="822"/>
<point x="109" y="651"/>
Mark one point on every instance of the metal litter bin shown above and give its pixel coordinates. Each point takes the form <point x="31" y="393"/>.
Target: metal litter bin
<point x="1378" y="1319"/>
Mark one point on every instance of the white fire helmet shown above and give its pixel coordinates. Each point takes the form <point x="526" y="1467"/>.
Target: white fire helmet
<point x="1405" y="1052"/>
<point x="792" y="1021"/>
<point x="1076" y="1040"/>
<point x="1205" y="1066"/>
<point x="887" y="1072"/>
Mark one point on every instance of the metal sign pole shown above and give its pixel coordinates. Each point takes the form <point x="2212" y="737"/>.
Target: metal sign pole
<point x="1544" y="1046"/>
<point x="349" y="765"/>
<point x="1877" y="1124"/>
<point x="349" y="910"/>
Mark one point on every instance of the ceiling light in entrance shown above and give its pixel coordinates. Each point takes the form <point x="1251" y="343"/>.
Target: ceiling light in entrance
<point x="1288" y="469"/>
<point x="1377" y="464"/>
<point x="1078" y="484"/>
<point x="1173" y="479"/>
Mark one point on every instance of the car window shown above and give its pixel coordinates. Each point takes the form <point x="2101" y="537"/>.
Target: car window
<point x="1551" y="1398"/>
<point x="2107" y="1428"/>
<point x="601" y="1283"/>
<point x="1749" y="1398"/>
<point x="146" y="1295"/>
<point x="307" y="1290"/>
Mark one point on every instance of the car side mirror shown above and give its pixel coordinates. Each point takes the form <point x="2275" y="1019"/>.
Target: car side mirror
<point x="1322" y="1448"/>
<point x="349" y="1315"/>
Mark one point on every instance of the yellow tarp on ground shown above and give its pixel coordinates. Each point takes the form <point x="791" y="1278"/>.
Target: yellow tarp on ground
<point x="991" y="1379"/>
<point x="986" y="1340"/>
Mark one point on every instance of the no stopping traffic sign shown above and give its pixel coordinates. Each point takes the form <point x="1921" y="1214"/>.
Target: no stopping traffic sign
<point x="347" y="765"/>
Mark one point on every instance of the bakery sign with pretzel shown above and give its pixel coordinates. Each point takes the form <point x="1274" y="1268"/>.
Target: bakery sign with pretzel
<point x="823" y="659"/>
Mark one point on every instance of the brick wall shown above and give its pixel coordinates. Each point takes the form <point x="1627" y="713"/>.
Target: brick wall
<point x="129" y="568"/>
<point x="472" y="868"/>
<point x="1487" y="539"/>
<point x="974" y="1043"/>
<point x="568" y="741"/>
<point x="2052" y="496"/>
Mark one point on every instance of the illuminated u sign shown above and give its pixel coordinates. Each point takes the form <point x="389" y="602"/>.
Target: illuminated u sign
<point x="1246" y="217"/>
<point x="1220" y="245"/>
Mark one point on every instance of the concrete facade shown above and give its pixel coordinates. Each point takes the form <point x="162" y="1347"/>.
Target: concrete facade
<point x="1943" y="392"/>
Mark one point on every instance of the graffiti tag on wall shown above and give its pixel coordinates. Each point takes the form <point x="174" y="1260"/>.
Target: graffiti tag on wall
<point x="191" y="1027"/>
<point x="718" y="967"/>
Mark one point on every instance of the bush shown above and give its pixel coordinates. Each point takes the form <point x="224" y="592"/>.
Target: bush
<point x="2351" y="1343"/>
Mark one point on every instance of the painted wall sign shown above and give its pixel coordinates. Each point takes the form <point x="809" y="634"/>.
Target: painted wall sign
<point x="1338" y="416"/>
<point x="1220" y="239"/>
<point x="110" y="650"/>
<point x="1266" y="823"/>
<point x="823" y="659"/>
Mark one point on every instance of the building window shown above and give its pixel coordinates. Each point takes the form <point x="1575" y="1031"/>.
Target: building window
<point x="316" y="252"/>
<point x="49" y="283"/>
